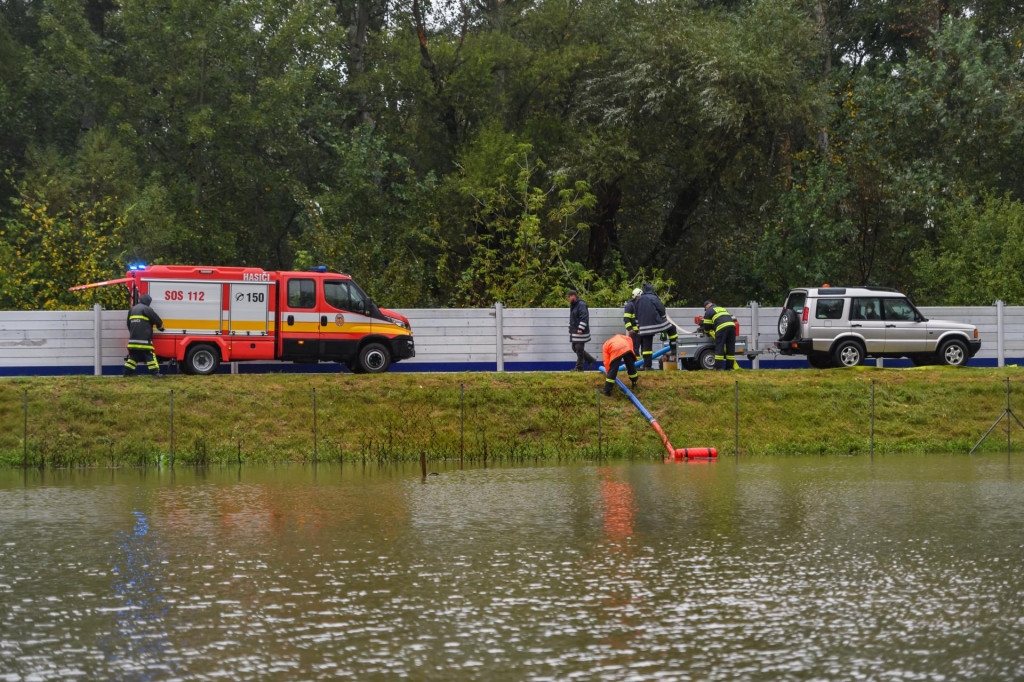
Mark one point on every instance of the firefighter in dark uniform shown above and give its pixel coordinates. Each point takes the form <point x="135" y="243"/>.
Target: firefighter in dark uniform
<point x="579" y="331"/>
<point x="651" y="320"/>
<point x="618" y="349"/>
<point x="721" y="326"/>
<point x="629" y="319"/>
<point x="141" y="320"/>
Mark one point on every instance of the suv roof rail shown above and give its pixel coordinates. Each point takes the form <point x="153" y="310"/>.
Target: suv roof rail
<point x="890" y="290"/>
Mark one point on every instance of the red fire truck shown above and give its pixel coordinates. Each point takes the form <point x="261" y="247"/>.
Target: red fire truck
<point x="222" y="314"/>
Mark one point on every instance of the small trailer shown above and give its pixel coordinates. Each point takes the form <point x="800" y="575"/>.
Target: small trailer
<point x="696" y="350"/>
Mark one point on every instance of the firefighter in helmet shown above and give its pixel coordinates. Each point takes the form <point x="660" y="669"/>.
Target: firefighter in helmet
<point x="652" y="319"/>
<point x="721" y="326"/>
<point x="618" y="349"/>
<point x="141" y="320"/>
<point x="629" y="319"/>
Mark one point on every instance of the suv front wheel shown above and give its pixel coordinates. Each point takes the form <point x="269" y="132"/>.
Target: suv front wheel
<point x="953" y="352"/>
<point x="848" y="353"/>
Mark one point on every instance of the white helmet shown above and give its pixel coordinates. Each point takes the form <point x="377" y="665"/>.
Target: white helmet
<point x="637" y="292"/>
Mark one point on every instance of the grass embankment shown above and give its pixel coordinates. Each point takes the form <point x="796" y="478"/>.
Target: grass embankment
<point x="88" y="421"/>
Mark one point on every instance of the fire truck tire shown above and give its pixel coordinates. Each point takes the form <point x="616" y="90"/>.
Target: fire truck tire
<point x="374" y="358"/>
<point x="202" y="359"/>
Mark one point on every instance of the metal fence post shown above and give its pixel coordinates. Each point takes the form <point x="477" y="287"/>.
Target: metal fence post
<point x="872" y="419"/>
<point x="737" y="420"/>
<point x="499" y="336"/>
<point x="97" y="340"/>
<point x="24" y="435"/>
<point x="1000" y="335"/>
<point x="172" y="430"/>
<point x="755" y="332"/>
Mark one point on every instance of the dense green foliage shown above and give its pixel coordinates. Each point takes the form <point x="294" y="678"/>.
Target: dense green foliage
<point x="459" y="153"/>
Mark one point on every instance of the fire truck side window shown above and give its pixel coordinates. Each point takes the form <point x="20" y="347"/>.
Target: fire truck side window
<point x="342" y="295"/>
<point x="301" y="293"/>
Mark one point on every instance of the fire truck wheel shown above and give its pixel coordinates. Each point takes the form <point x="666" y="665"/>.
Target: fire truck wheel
<point x="202" y="359"/>
<point x="374" y="358"/>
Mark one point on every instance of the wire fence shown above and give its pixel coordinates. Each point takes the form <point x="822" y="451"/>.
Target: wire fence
<point x="446" y="421"/>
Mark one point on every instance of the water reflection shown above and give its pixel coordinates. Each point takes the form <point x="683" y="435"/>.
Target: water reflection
<point x="785" y="569"/>
<point x="139" y="635"/>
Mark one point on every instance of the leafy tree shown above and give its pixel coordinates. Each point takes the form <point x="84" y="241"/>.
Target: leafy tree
<point x="809" y="237"/>
<point x="44" y="251"/>
<point x="978" y="258"/>
<point x="522" y="227"/>
<point x="372" y="218"/>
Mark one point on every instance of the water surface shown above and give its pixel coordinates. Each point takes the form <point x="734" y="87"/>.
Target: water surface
<point x="797" y="568"/>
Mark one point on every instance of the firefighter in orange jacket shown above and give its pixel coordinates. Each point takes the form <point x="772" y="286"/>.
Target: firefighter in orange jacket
<point x="618" y="349"/>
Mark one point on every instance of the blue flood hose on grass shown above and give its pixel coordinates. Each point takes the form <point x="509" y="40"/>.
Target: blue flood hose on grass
<point x="677" y="454"/>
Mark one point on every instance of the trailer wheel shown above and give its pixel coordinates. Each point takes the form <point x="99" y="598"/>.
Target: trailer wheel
<point x="374" y="358"/>
<point x="706" y="360"/>
<point x="202" y="359"/>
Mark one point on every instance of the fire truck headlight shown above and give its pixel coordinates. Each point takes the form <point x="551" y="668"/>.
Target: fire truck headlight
<point x="400" y="323"/>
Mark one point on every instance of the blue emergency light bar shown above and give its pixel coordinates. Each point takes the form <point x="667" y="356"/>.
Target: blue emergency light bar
<point x="318" y="268"/>
<point x="132" y="267"/>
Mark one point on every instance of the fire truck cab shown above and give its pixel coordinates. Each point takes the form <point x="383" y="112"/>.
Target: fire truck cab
<point x="222" y="314"/>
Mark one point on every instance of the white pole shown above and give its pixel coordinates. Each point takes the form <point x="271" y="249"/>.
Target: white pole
<point x="755" y="332"/>
<point x="1000" y="335"/>
<point x="499" y="336"/>
<point x="97" y="340"/>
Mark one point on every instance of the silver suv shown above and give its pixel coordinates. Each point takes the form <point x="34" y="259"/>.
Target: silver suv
<point x="840" y="327"/>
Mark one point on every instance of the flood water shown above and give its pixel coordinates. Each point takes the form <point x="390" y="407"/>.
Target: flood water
<point x="902" y="567"/>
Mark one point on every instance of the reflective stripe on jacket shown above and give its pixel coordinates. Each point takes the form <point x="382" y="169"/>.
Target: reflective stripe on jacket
<point x="650" y="313"/>
<point x="716" y="318"/>
<point x="629" y="316"/>
<point x="579" y="322"/>
<point x="141" y="320"/>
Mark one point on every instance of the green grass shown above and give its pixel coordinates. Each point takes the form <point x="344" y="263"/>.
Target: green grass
<point x="107" y="421"/>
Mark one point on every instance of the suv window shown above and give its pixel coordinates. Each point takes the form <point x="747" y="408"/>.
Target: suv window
<point x="899" y="309"/>
<point x="796" y="302"/>
<point x="865" y="309"/>
<point x="829" y="309"/>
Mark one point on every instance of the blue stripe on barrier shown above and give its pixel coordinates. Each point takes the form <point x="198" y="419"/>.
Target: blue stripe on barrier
<point x="334" y="368"/>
